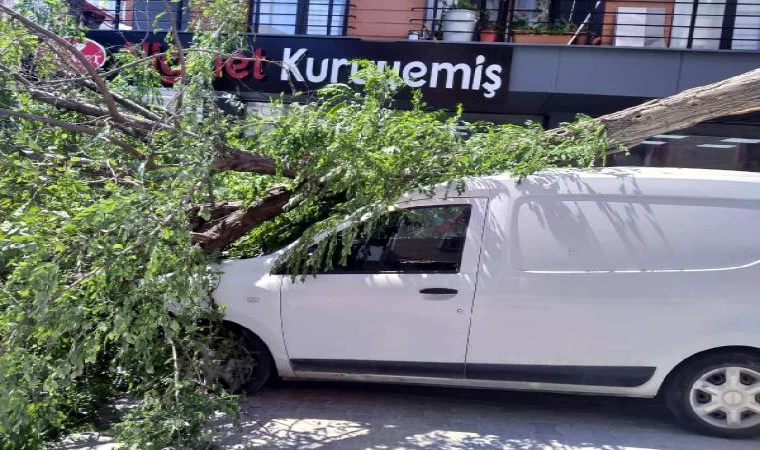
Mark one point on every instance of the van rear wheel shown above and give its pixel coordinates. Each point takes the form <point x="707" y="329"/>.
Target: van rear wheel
<point x="718" y="395"/>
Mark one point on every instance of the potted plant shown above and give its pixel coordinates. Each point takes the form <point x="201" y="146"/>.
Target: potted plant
<point x="542" y="31"/>
<point x="546" y="33"/>
<point x="489" y="31"/>
<point x="459" y="21"/>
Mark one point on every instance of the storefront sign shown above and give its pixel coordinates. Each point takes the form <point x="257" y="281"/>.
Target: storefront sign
<point x="94" y="52"/>
<point x="474" y="75"/>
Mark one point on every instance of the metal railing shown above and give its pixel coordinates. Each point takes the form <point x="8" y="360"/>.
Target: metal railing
<point x="318" y="17"/>
<point x="721" y="24"/>
<point x="725" y="24"/>
<point x="124" y="15"/>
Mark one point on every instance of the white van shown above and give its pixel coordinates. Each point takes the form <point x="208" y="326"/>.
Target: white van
<point x="620" y="281"/>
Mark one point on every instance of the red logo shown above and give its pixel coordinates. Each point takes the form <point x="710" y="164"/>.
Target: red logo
<point x="94" y="52"/>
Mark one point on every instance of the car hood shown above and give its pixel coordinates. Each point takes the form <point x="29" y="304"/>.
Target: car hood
<point x="248" y="267"/>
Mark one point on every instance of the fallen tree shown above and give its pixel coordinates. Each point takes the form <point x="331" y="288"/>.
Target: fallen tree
<point x="113" y="202"/>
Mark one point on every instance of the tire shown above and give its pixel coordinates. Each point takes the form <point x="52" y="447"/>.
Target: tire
<point x="244" y="364"/>
<point x="725" y="402"/>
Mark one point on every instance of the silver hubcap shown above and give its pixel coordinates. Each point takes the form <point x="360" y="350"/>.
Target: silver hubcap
<point x="728" y="397"/>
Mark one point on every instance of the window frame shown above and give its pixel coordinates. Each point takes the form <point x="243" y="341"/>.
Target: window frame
<point x="339" y="270"/>
<point x="302" y="17"/>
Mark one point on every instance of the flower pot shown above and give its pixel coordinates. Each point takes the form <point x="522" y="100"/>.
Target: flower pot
<point x="522" y="37"/>
<point x="488" y="35"/>
<point x="458" y="25"/>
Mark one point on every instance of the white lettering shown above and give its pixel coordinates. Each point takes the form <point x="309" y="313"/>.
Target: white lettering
<point x="478" y="72"/>
<point x="451" y="71"/>
<point x="353" y="77"/>
<point x="493" y="73"/>
<point x="290" y="64"/>
<point x="323" y="71"/>
<point x="383" y="64"/>
<point x="413" y="74"/>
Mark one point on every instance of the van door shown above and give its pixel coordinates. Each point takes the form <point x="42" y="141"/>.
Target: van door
<point x="401" y="306"/>
<point x="603" y="285"/>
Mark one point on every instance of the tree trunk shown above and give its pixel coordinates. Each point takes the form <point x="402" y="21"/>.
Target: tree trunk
<point x="232" y="227"/>
<point x="733" y="95"/>
<point x="627" y="127"/>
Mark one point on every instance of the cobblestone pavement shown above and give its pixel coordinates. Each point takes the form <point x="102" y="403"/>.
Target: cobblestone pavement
<point x="338" y="416"/>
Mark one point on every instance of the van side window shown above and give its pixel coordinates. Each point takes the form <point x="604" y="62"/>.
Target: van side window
<point x="427" y="239"/>
<point x="610" y="233"/>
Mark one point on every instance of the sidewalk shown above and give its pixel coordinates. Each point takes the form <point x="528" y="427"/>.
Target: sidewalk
<point x="350" y="416"/>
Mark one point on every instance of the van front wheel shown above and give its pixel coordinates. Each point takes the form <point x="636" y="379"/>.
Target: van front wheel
<point x="718" y="395"/>
<point x="239" y="361"/>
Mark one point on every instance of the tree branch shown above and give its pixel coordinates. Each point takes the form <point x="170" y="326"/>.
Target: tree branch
<point x="240" y="222"/>
<point x="688" y="108"/>
<point x="93" y="110"/>
<point x="180" y="54"/>
<point x="215" y="212"/>
<point x="127" y="103"/>
<point x="243" y="161"/>
<point x="91" y="71"/>
<point x="74" y="127"/>
<point x="228" y="160"/>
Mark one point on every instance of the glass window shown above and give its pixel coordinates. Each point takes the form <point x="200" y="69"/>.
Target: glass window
<point x="151" y="15"/>
<point x="681" y="149"/>
<point x="316" y="17"/>
<point x="276" y="17"/>
<point x="326" y="17"/>
<point x="416" y="240"/>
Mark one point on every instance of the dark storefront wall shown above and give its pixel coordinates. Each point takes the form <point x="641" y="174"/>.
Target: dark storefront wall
<point x="695" y="151"/>
<point x="477" y="77"/>
<point x="730" y="144"/>
<point x="522" y="80"/>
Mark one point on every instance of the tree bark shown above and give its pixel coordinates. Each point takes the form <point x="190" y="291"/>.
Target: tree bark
<point x="237" y="224"/>
<point x="243" y="161"/>
<point x="737" y="94"/>
<point x="215" y="212"/>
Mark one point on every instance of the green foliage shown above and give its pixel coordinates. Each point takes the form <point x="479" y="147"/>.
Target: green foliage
<point x="89" y="278"/>
<point x="364" y="154"/>
<point x="103" y="294"/>
<point x="560" y="27"/>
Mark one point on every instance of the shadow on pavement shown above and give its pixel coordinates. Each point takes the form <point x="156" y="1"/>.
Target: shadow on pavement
<point x="302" y="415"/>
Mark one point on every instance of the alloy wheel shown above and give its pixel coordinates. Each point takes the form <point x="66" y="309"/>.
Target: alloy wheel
<point x="727" y="397"/>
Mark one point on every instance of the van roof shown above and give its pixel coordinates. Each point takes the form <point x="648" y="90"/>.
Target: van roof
<point x="659" y="172"/>
<point x="680" y="173"/>
<point x="619" y="180"/>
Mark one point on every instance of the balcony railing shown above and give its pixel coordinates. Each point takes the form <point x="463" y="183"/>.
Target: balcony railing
<point x="124" y="15"/>
<point x="699" y="24"/>
<point x="711" y="24"/>
<point x="317" y="17"/>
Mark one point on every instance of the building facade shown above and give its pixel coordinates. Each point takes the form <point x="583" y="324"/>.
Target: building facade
<point x="505" y="61"/>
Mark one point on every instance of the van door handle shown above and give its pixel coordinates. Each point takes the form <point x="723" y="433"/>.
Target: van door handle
<point x="438" y="291"/>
